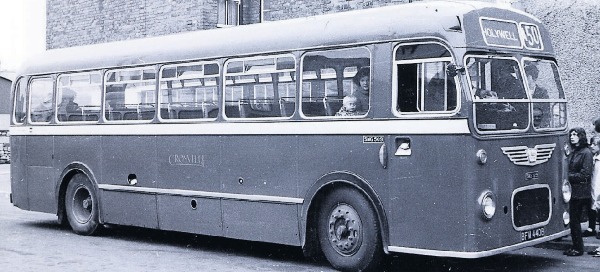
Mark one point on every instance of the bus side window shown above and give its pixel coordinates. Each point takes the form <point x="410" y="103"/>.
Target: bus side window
<point x="20" y="106"/>
<point x="329" y="76"/>
<point x="78" y="97"/>
<point x="189" y="91"/>
<point x="130" y="94"/>
<point x="41" y="97"/>
<point x="260" y="87"/>
<point x="422" y="82"/>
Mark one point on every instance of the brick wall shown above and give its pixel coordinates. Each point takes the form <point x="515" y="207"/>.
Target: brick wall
<point x="284" y="9"/>
<point x="81" y="22"/>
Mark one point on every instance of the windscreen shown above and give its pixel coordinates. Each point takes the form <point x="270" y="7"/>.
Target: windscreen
<point x="548" y="98"/>
<point x="500" y="99"/>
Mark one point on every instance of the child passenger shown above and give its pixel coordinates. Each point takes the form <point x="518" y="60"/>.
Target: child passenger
<point x="595" y="147"/>
<point x="349" y="107"/>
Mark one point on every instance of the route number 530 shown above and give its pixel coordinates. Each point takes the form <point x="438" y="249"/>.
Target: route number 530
<point x="530" y="34"/>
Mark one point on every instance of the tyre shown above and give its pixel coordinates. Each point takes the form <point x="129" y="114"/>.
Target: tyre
<point x="81" y="205"/>
<point x="348" y="230"/>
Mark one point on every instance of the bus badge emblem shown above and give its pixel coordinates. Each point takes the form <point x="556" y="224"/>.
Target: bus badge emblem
<point x="529" y="156"/>
<point x="532" y="155"/>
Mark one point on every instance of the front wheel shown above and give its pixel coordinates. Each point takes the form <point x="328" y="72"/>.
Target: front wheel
<point x="348" y="231"/>
<point x="81" y="205"/>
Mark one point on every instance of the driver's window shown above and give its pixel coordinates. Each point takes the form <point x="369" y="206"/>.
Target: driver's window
<point x="422" y="83"/>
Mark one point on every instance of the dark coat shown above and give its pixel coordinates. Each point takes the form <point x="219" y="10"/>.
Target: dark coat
<point x="581" y="165"/>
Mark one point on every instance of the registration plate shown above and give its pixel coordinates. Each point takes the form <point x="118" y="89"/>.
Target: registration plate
<point x="532" y="234"/>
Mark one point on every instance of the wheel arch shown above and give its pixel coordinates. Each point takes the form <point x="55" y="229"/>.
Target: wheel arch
<point x="320" y="189"/>
<point x="61" y="187"/>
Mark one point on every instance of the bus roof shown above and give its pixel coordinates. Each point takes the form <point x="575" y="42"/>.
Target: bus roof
<point x="423" y="19"/>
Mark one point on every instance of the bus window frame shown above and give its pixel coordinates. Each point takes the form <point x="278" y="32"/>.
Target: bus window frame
<point x="395" y="63"/>
<point x="300" y="91"/>
<point x="224" y="74"/>
<point x="491" y="55"/>
<point x="53" y="92"/>
<point x="160" y="80"/>
<point x="105" y="84"/>
<point x="534" y="100"/>
<point x="101" y="73"/>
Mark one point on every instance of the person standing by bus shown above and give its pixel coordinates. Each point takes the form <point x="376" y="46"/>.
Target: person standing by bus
<point x="580" y="174"/>
<point x="595" y="147"/>
<point x="595" y="203"/>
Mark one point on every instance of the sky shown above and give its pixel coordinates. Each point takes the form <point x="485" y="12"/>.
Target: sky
<point x="22" y="31"/>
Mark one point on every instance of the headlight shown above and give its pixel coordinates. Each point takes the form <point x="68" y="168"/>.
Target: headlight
<point x="488" y="205"/>
<point x="482" y="156"/>
<point x="566" y="218"/>
<point x="566" y="191"/>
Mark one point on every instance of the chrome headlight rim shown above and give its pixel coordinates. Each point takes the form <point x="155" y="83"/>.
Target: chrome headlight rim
<point x="487" y="201"/>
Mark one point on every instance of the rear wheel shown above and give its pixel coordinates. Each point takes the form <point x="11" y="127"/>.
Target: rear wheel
<point x="348" y="231"/>
<point x="81" y="205"/>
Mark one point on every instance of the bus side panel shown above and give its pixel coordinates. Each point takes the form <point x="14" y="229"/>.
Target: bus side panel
<point x="323" y="154"/>
<point x="189" y="163"/>
<point x="18" y="181"/>
<point x="260" y="167"/>
<point x="429" y="193"/>
<point x="345" y="155"/>
<point x="40" y="151"/>
<point x="179" y="214"/>
<point x="40" y="175"/>
<point x="259" y="221"/>
<point x="123" y="156"/>
<point x="86" y="150"/>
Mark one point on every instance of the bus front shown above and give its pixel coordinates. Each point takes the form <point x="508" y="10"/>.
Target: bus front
<point x="519" y="122"/>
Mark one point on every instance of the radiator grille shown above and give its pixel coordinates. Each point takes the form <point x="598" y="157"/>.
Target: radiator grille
<point x="531" y="207"/>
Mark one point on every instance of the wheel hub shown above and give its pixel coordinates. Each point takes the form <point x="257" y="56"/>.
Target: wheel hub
<point x="345" y="230"/>
<point x="82" y="205"/>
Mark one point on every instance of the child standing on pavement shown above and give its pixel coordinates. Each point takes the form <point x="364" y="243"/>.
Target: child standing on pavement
<point x="595" y="147"/>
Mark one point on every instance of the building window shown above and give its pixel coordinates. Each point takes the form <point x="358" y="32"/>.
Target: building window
<point x="229" y="13"/>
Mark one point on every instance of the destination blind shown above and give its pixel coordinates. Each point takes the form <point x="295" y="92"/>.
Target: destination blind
<point x="500" y="33"/>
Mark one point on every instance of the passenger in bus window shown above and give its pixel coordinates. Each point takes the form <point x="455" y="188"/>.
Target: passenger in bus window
<point x="532" y="73"/>
<point x="502" y="107"/>
<point x="43" y="111"/>
<point x="537" y="92"/>
<point x="506" y="81"/>
<point x="580" y="173"/>
<point x="67" y="103"/>
<point x="538" y="116"/>
<point x="361" y="79"/>
<point x="350" y="106"/>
